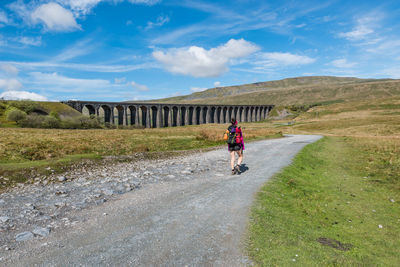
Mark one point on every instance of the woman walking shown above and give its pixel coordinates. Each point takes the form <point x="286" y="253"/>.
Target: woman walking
<point x="235" y="145"/>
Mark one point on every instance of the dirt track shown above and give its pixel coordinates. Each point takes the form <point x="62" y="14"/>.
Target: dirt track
<point x="199" y="219"/>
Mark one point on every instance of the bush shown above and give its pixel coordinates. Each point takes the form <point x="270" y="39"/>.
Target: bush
<point x="32" y="121"/>
<point x="81" y="122"/>
<point x="54" y="115"/>
<point x="16" y="115"/>
<point x="50" y="122"/>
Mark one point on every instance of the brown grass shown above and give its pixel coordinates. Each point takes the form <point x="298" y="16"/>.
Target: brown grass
<point x="19" y="145"/>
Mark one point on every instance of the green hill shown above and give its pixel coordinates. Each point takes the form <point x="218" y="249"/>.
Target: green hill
<point x="42" y="108"/>
<point x="300" y="90"/>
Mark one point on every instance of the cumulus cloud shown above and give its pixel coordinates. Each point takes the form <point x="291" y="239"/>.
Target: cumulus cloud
<point x="54" y="17"/>
<point x="139" y="87"/>
<point x="199" y="62"/>
<point x="217" y="84"/>
<point x="10" y="84"/>
<point x="282" y="59"/>
<point x="342" y="63"/>
<point x="22" y="95"/>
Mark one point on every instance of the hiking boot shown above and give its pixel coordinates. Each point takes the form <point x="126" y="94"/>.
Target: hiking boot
<point x="237" y="169"/>
<point x="233" y="171"/>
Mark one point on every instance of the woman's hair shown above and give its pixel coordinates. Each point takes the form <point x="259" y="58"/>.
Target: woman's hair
<point x="233" y="121"/>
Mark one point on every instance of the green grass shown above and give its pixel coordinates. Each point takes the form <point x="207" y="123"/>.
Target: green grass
<point x="338" y="188"/>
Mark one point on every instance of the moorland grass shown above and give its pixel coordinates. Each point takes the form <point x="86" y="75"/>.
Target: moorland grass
<point x="339" y="189"/>
<point x="22" y="149"/>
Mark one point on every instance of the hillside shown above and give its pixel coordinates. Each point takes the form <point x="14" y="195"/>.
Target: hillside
<point x="301" y="90"/>
<point x="42" y="108"/>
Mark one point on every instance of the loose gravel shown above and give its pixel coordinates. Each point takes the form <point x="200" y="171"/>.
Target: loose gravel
<point x="186" y="210"/>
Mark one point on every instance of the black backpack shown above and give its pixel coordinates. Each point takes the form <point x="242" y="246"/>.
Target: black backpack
<point x="232" y="135"/>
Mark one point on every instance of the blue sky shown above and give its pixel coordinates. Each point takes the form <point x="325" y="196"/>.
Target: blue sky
<point x="117" y="50"/>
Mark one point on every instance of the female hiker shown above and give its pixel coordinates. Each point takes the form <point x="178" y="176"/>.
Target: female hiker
<point x="235" y="145"/>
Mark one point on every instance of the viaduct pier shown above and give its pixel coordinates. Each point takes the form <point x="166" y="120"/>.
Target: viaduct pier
<point x="155" y="115"/>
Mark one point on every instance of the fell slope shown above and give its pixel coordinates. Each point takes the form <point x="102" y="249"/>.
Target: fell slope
<point x="301" y="90"/>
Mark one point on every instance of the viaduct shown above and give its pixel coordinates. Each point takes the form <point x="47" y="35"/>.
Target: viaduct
<point x="155" y="115"/>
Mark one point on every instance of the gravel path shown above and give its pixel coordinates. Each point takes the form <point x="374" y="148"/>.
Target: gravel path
<point x="184" y="211"/>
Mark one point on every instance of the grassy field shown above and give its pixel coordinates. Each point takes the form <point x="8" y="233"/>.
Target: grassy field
<point x="22" y="149"/>
<point x="326" y="209"/>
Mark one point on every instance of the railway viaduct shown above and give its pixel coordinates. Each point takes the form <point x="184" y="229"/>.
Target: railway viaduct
<point x="155" y="115"/>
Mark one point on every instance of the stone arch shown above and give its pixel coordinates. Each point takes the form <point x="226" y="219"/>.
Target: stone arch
<point x="119" y="114"/>
<point x="212" y="114"/>
<point x="198" y="115"/>
<point x="252" y="114"/>
<point x="166" y="116"/>
<point x="175" y="116"/>
<point x="224" y="114"/>
<point x="105" y="113"/>
<point x="257" y="114"/>
<point x="218" y="115"/>
<point x="144" y="114"/>
<point x="183" y="116"/>
<point x="235" y="112"/>
<point x="132" y="115"/>
<point x="205" y="114"/>
<point x="191" y="115"/>
<point x="230" y="113"/>
<point x="246" y="115"/>
<point x="154" y="111"/>
<point x="88" y="110"/>
<point x="241" y="119"/>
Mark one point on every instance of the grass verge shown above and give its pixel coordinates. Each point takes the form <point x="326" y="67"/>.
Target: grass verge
<point x="338" y="204"/>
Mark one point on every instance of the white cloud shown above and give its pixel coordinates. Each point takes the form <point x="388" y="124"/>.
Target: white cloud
<point x="277" y="59"/>
<point x="364" y="28"/>
<point x="217" y="84"/>
<point x="139" y="87"/>
<point x="342" y="63"/>
<point x="54" y="17"/>
<point x="161" y="20"/>
<point x="3" y="17"/>
<point x="9" y="69"/>
<point x="22" y="95"/>
<point x="30" y="41"/>
<point x="10" y="84"/>
<point x="59" y="83"/>
<point x="81" y="6"/>
<point x="81" y="47"/>
<point x="199" y="62"/>
<point x="197" y="89"/>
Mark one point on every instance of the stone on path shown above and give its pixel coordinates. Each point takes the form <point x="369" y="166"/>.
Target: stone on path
<point x="4" y="219"/>
<point x="43" y="232"/>
<point x="24" y="236"/>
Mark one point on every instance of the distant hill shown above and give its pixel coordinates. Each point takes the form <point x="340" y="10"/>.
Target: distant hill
<point x="300" y="90"/>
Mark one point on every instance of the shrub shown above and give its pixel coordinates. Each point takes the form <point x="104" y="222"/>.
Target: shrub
<point x="50" y="122"/>
<point x="81" y="122"/>
<point x="16" y="115"/>
<point x="32" y="121"/>
<point x="55" y="115"/>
